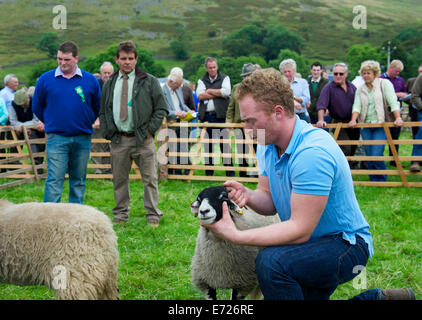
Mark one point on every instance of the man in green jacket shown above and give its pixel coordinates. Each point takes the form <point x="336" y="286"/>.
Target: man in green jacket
<point x="132" y="110"/>
<point x="316" y="83"/>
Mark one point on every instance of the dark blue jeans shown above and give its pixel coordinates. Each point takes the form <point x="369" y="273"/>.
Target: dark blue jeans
<point x="375" y="150"/>
<point x="312" y="270"/>
<point x="314" y="119"/>
<point x="304" y="116"/>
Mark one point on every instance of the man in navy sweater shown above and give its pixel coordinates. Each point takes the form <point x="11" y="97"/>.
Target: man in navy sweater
<point x="67" y="101"/>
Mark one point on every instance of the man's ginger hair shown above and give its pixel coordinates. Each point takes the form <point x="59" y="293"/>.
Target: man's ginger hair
<point x="269" y="88"/>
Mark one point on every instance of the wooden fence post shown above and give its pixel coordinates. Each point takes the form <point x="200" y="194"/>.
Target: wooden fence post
<point x="395" y="154"/>
<point x="24" y="169"/>
<point x="162" y="168"/>
<point x="19" y="148"/>
<point x="31" y="156"/>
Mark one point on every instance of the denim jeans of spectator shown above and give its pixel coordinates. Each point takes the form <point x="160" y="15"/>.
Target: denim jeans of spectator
<point x="66" y="154"/>
<point x="417" y="148"/>
<point x="375" y="150"/>
<point x="314" y="119"/>
<point x="312" y="270"/>
<point x="304" y="116"/>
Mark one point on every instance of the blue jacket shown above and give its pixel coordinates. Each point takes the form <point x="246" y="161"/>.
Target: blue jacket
<point x="4" y="115"/>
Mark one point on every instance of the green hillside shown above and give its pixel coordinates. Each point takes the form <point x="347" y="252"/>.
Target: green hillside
<point x="326" y="25"/>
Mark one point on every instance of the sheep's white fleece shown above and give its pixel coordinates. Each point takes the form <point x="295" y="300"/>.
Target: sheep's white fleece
<point x="221" y="264"/>
<point x="70" y="248"/>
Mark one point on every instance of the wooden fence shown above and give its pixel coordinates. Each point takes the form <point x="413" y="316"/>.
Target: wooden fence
<point x="197" y="145"/>
<point x="200" y="150"/>
<point x="399" y="171"/>
<point x="19" y="165"/>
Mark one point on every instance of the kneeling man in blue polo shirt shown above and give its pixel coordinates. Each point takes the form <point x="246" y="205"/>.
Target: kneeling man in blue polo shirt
<point x="67" y="101"/>
<point x="323" y="239"/>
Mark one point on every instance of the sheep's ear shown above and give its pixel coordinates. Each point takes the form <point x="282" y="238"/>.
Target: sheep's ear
<point x="234" y="207"/>
<point x="194" y="208"/>
<point x="224" y="196"/>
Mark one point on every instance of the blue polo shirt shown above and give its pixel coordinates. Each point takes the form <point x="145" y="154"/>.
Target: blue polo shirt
<point x="314" y="164"/>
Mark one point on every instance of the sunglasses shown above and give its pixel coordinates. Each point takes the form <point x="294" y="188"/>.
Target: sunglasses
<point x="339" y="73"/>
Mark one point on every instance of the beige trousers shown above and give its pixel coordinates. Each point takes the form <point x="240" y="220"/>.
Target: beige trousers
<point x="122" y="155"/>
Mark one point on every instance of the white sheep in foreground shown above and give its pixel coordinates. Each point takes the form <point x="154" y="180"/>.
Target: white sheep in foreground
<point x="69" y="248"/>
<point x="220" y="264"/>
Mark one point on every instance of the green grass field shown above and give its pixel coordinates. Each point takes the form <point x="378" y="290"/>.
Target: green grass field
<point x="155" y="263"/>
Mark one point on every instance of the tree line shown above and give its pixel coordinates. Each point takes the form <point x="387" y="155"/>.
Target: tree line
<point x="255" y="43"/>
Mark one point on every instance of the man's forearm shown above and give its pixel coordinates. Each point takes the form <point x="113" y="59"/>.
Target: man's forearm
<point x="205" y="96"/>
<point x="210" y="94"/>
<point x="321" y="113"/>
<point x="261" y="202"/>
<point x="282" y="233"/>
<point x="214" y="92"/>
<point x="306" y="211"/>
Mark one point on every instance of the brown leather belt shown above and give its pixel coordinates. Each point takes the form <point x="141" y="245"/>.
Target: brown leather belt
<point x="127" y="134"/>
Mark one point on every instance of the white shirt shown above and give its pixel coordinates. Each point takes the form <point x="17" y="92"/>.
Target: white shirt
<point x="225" y="91"/>
<point x="358" y="81"/>
<point x="8" y="95"/>
<point x="317" y="80"/>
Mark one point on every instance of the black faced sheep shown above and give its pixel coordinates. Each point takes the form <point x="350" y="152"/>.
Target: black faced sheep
<point x="220" y="264"/>
<point x="70" y="248"/>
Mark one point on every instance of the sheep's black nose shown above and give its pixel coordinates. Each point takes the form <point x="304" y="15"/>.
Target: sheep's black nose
<point x="205" y="211"/>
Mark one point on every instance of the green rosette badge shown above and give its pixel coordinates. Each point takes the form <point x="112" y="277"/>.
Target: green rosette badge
<point x="80" y="92"/>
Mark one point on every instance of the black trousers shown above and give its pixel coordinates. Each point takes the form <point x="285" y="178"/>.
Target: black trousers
<point x="347" y="134"/>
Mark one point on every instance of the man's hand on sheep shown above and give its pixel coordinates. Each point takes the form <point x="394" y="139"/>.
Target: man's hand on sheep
<point x="306" y="211"/>
<point x="237" y="192"/>
<point x="259" y="200"/>
<point x="225" y="227"/>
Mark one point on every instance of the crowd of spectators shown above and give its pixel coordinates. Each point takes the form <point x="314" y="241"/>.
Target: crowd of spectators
<point x="372" y="97"/>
